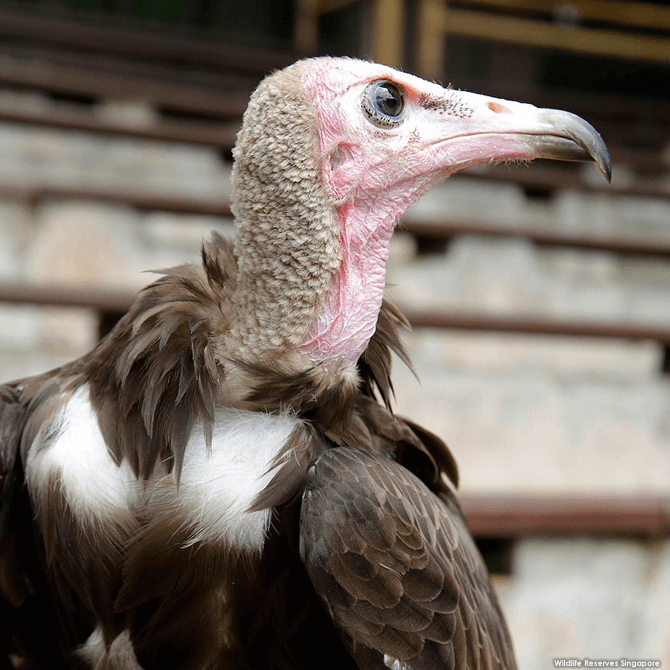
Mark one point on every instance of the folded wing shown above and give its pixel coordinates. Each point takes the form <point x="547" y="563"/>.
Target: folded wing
<point x="397" y="569"/>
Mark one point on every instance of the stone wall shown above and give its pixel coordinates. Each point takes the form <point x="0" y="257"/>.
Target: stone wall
<point x="522" y="414"/>
<point x="547" y="414"/>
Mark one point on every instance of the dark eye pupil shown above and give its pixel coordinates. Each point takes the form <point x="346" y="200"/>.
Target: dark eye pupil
<point x="388" y="99"/>
<point x="383" y="104"/>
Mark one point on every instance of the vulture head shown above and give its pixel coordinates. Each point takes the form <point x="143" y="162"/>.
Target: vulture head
<point x="331" y="153"/>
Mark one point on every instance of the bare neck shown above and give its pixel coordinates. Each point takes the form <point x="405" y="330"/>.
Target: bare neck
<point x="348" y="318"/>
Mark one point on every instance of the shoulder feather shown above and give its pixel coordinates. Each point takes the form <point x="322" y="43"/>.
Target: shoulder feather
<point x="157" y="373"/>
<point x="397" y="569"/>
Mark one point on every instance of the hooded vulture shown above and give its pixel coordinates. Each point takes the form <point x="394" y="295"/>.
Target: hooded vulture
<point x="221" y="481"/>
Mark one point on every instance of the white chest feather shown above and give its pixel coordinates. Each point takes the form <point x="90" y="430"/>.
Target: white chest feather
<point x="217" y="487"/>
<point x="215" y="490"/>
<point x="72" y="448"/>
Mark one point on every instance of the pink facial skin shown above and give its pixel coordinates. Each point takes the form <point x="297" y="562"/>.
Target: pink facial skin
<point x="373" y="174"/>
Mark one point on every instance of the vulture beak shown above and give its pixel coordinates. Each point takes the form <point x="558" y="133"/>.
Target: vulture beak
<point x="567" y="138"/>
<point x="489" y="129"/>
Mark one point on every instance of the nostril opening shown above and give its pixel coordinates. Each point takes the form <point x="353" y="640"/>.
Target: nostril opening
<point x="497" y="107"/>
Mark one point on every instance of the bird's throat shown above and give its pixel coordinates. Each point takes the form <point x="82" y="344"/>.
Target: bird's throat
<point x="348" y="318"/>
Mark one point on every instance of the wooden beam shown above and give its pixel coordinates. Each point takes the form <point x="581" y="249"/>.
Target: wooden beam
<point x="99" y="298"/>
<point x="542" y="235"/>
<point x="111" y="300"/>
<point x="306" y="26"/>
<point x="50" y="27"/>
<point x="442" y="228"/>
<point x="204" y="133"/>
<point x="429" y="39"/>
<point x="388" y="36"/>
<point x="502" y="515"/>
<point x="143" y="200"/>
<point x="534" y="325"/>
<point x="611" y="43"/>
<point x="93" y="63"/>
<point x="553" y="179"/>
<point x="326" y="6"/>
<point x="69" y="79"/>
<point x="637" y="14"/>
<point x="220" y="206"/>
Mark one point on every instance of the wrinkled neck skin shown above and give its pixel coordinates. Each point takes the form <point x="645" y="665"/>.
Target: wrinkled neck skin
<point x="348" y="318"/>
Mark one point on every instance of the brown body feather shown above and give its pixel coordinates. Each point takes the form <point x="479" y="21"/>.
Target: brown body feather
<point x="198" y="606"/>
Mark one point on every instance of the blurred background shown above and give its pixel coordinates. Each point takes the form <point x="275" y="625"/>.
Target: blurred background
<point x="539" y="295"/>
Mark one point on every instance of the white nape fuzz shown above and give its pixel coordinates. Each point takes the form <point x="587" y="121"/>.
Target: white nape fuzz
<point x="71" y="448"/>
<point x="217" y="486"/>
<point x="120" y="653"/>
<point x="394" y="663"/>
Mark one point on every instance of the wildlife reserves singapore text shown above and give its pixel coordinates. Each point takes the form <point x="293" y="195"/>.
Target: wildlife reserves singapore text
<point x="593" y="663"/>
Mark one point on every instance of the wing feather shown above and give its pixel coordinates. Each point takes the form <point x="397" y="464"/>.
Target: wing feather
<point x="32" y="627"/>
<point x="396" y="567"/>
<point x="11" y="421"/>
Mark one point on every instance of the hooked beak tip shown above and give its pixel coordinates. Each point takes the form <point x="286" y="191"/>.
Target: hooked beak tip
<point x="574" y="139"/>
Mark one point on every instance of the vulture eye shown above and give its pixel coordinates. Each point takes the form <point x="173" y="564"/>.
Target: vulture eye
<point x="383" y="102"/>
